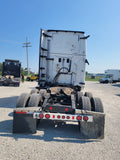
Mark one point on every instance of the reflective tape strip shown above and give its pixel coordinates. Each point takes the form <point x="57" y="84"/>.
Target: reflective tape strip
<point x="19" y="112"/>
<point x="63" y="117"/>
<point x="23" y="112"/>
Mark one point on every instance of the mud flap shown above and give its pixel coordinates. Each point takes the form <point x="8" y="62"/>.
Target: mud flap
<point x="95" y="129"/>
<point x="24" y="123"/>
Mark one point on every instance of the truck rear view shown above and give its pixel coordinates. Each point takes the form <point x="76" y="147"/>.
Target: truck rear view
<point x="59" y="96"/>
<point x="10" y="73"/>
<point x="62" y="58"/>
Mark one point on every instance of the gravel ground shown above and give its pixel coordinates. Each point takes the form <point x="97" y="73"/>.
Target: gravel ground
<point x="59" y="142"/>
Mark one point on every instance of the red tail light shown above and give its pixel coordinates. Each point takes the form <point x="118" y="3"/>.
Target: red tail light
<point x="79" y="118"/>
<point x="73" y="117"/>
<point x="47" y="116"/>
<point x="66" y="109"/>
<point x="41" y="116"/>
<point x="85" y="118"/>
<point x="63" y="117"/>
<point x="58" y="116"/>
<point x="68" y="117"/>
<point x="50" y="108"/>
<point x="53" y="116"/>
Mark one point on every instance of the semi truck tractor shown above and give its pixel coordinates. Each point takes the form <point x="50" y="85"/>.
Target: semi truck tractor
<point x="10" y="73"/>
<point x="111" y="76"/>
<point x="59" y="95"/>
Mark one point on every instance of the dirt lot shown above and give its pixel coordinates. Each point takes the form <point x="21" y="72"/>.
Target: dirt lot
<point x="60" y="142"/>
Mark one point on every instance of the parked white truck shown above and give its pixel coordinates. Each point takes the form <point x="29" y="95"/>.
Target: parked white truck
<point x="62" y="60"/>
<point x="111" y="76"/>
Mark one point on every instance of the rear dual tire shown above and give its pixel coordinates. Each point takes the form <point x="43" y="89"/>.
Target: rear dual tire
<point x="34" y="91"/>
<point x="84" y="103"/>
<point x="88" y="94"/>
<point x="90" y="104"/>
<point x="23" y="100"/>
<point x="35" y="100"/>
<point x="97" y="105"/>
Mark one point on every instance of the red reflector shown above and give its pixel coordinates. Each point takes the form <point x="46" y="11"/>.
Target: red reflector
<point x="53" y="116"/>
<point x="79" y="118"/>
<point x="66" y="109"/>
<point x="41" y="116"/>
<point x="58" y="116"/>
<point x="68" y="117"/>
<point x="50" y="108"/>
<point x="85" y="118"/>
<point x="47" y="116"/>
<point x="73" y="117"/>
<point x="63" y="117"/>
<point x="21" y="112"/>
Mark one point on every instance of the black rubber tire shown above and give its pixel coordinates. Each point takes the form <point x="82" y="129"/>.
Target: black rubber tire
<point x="23" y="100"/>
<point x="88" y="94"/>
<point x="35" y="100"/>
<point x="42" y="92"/>
<point x="28" y="79"/>
<point x="34" y="91"/>
<point x="17" y="85"/>
<point x="84" y="103"/>
<point x="96" y="105"/>
<point x="106" y="81"/>
<point x="79" y="94"/>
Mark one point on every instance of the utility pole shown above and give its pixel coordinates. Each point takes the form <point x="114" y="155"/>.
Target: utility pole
<point x="27" y="45"/>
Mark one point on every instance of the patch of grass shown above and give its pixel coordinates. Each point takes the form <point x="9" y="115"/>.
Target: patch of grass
<point x="88" y="78"/>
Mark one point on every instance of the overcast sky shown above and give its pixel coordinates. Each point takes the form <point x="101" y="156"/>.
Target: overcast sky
<point x="98" y="18"/>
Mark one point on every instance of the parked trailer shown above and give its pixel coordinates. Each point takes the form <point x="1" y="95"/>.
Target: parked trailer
<point x="10" y="73"/>
<point x="111" y="76"/>
<point x="59" y="96"/>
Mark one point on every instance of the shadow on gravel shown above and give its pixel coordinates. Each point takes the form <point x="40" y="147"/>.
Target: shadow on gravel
<point x="10" y="114"/>
<point x="116" y="85"/>
<point x="56" y="132"/>
<point x="8" y="102"/>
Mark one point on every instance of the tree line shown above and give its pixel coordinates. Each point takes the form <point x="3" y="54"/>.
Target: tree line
<point x="0" y="68"/>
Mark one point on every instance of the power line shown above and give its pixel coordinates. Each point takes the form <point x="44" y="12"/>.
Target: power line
<point x="27" y="44"/>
